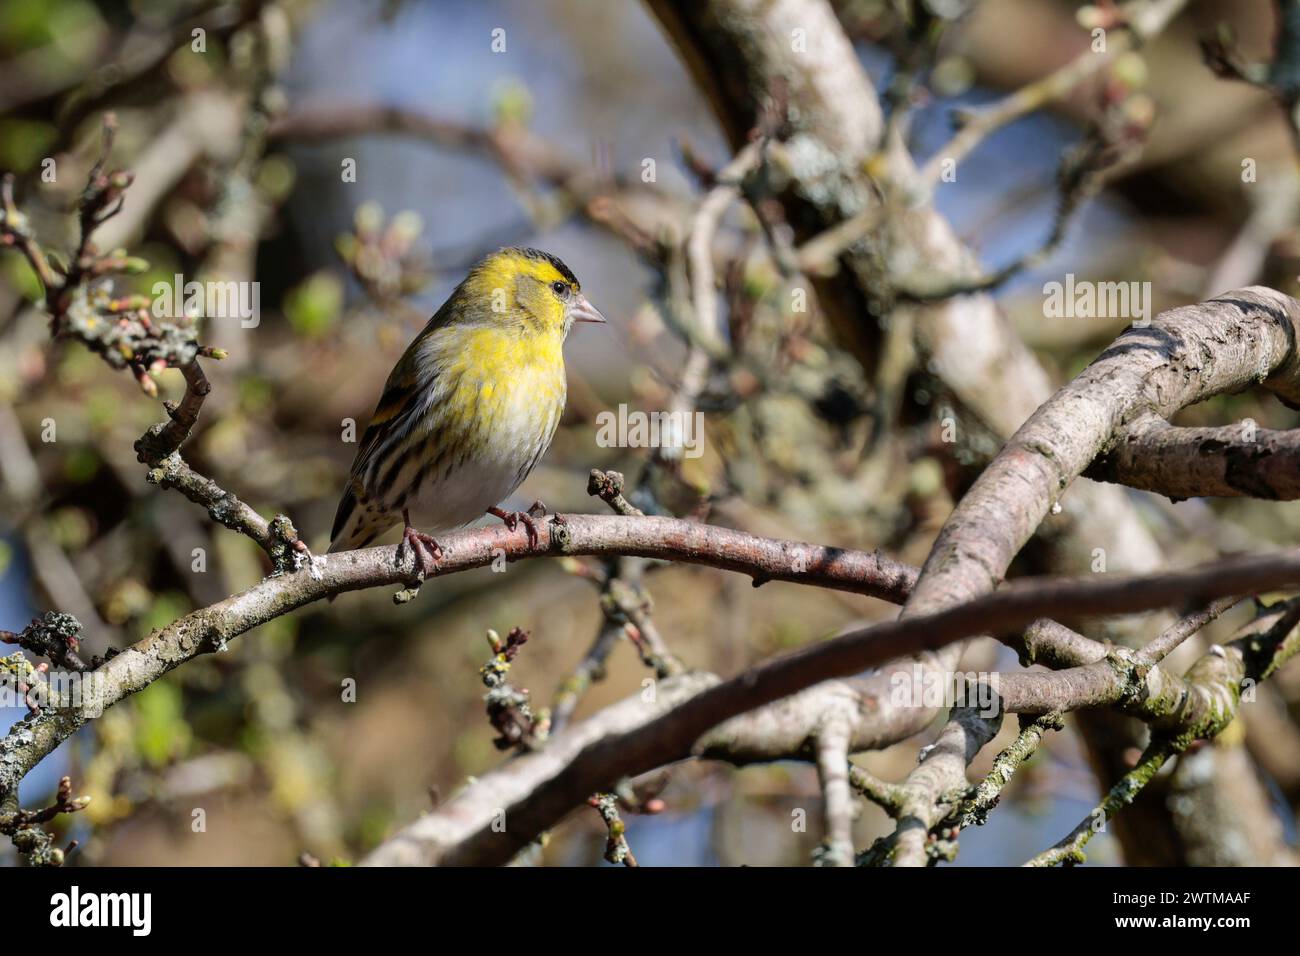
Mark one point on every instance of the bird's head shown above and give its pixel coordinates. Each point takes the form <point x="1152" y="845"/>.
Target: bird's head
<point x="530" y="290"/>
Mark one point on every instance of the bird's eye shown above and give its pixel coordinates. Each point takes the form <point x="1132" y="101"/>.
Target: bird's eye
<point x="559" y="288"/>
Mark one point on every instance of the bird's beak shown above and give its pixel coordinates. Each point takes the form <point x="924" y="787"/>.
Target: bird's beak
<point x="584" y="311"/>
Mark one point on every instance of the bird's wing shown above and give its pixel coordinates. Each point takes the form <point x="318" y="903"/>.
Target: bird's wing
<point x="397" y="403"/>
<point x="388" y="416"/>
<point x="393" y="415"/>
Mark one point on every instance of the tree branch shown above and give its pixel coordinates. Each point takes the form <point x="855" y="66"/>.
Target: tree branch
<point x="531" y="794"/>
<point x="1228" y="461"/>
<point x="1185" y="356"/>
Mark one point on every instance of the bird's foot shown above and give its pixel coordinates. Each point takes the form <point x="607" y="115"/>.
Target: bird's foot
<point x="528" y="518"/>
<point x="426" y="550"/>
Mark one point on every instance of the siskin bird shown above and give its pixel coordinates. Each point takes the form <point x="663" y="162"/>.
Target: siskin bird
<point x="469" y="408"/>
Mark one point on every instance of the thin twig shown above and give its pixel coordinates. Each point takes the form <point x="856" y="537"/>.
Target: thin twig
<point x="1069" y="850"/>
<point x="1144" y="20"/>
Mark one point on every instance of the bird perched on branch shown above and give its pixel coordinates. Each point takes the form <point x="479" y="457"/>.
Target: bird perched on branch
<point x="469" y="408"/>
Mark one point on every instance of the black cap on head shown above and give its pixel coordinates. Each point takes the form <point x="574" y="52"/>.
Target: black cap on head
<point x="541" y="256"/>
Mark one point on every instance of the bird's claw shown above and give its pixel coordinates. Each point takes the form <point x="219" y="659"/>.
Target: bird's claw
<point x="426" y="551"/>
<point x="512" y="520"/>
<point x="531" y="525"/>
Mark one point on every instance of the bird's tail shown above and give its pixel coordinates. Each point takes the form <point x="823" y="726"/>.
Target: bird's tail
<point x="342" y="532"/>
<point x="354" y="525"/>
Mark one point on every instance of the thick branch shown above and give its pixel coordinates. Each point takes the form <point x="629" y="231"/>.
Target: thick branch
<point x="534" y="795"/>
<point x="833" y="772"/>
<point x="1121" y="677"/>
<point x="740" y="54"/>
<point x="209" y="629"/>
<point x="1185" y="356"/>
<point x="933" y="789"/>
<point x="1228" y="461"/>
<point x="1209" y="702"/>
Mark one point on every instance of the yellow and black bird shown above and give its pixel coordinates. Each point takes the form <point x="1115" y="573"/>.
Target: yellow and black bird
<point x="470" y="407"/>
